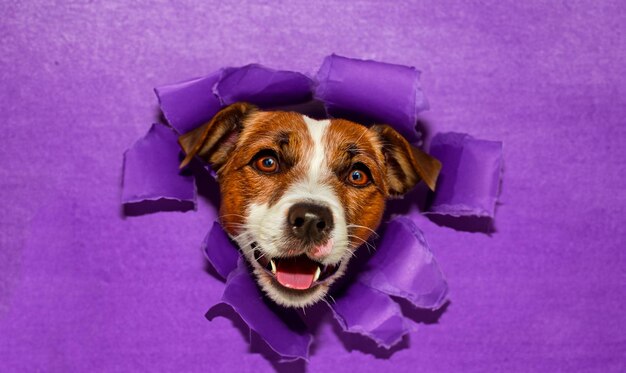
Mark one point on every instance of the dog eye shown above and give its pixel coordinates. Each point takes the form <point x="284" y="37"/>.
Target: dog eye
<point x="267" y="164"/>
<point x="359" y="175"/>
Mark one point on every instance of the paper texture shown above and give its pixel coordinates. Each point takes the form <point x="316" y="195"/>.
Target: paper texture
<point x="372" y="92"/>
<point x="151" y="170"/>
<point x="189" y="104"/>
<point x="469" y="181"/>
<point x="403" y="266"/>
<point x="262" y="86"/>
<point x="372" y="314"/>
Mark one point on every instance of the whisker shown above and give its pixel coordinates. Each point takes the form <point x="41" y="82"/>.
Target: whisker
<point x="350" y="245"/>
<point x="363" y="227"/>
<point x="331" y="297"/>
<point x="358" y="238"/>
<point x="349" y="250"/>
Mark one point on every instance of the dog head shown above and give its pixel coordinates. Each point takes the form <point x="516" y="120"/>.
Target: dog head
<point x="299" y="195"/>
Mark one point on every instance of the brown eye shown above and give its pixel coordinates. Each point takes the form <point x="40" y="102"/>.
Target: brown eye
<point x="358" y="176"/>
<point x="267" y="164"/>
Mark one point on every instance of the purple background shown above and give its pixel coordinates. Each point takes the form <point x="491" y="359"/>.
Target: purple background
<point x="82" y="287"/>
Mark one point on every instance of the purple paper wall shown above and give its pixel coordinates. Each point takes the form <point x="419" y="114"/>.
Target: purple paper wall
<point x="85" y="288"/>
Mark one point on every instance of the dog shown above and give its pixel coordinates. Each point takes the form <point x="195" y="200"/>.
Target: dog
<point x="300" y="195"/>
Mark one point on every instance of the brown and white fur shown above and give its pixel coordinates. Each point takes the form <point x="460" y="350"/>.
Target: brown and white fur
<point x="293" y="190"/>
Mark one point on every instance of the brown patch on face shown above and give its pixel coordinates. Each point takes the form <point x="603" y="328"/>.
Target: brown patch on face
<point x="280" y="134"/>
<point x="349" y="144"/>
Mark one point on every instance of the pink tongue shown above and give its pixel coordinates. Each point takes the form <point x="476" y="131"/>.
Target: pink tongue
<point x="295" y="274"/>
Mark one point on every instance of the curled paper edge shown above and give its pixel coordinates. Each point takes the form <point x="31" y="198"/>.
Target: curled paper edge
<point x="387" y="261"/>
<point x="459" y="210"/>
<point x="239" y="291"/>
<point x="477" y="196"/>
<point x="195" y="97"/>
<point x="219" y="251"/>
<point x="388" y="320"/>
<point x="332" y="88"/>
<point x="262" y="86"/>
<point x="150" y="170"/>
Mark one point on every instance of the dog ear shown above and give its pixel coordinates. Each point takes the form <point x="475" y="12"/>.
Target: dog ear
<point x="214" y="140"/>
<point x="406" y="165"/>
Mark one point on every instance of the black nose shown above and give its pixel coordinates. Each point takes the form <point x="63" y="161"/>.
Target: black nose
<point x="310" y="222"/>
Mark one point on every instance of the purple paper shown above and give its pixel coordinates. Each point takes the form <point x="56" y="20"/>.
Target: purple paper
<point x="220" y="251"/>
<point x="83" y="290"/>
<point x="403" y="266"/>
<point x="151" y="169"/>
<point x="372" y="314"/>
<point x="370" y="91"/>
<point x="286" y="335"/>
<point x="262" y="86"/>
<point x="189" y="104"/>
<point x="469" y="181"/>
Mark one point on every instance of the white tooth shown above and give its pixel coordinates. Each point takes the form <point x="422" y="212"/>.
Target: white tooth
<point x="318" y="272"/>
<point x="273" y="266"/>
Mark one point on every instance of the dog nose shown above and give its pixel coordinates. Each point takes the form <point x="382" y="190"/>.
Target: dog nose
<point x="309" y="221"/>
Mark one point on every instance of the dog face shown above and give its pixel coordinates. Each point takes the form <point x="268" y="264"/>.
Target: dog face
<point x="299" y="195"/>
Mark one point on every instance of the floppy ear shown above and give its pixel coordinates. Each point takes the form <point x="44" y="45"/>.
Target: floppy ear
<point x="406" y="165"/>
<point x="214" y="140"/>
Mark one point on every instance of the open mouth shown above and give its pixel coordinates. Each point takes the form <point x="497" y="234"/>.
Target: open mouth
<point x="296" y="272"/>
